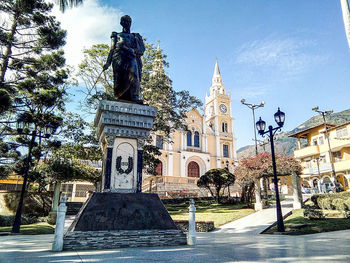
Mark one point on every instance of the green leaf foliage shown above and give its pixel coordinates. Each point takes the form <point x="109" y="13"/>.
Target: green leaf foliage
<point x="217" y="179"/>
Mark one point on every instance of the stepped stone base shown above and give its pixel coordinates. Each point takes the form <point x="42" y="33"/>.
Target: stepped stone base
<point x="85" y="240"/>
<point x="112" y="220"/>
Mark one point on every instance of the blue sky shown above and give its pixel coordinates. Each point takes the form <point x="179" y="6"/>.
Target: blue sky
<point x="291" y="54"/>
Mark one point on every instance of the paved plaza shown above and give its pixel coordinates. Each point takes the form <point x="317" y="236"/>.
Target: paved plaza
<point x="257" y="222"/>
<point x="238" y="241"/>
<point x="211" y="247"/>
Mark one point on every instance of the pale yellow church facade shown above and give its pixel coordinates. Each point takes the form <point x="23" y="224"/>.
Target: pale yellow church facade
<point x="209" y="142"/>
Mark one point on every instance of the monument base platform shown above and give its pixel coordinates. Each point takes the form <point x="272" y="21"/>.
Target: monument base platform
<point x="112" y="220"/>
<point x="85" y="240"/>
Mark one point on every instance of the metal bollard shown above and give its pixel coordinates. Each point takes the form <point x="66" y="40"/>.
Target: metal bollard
<point x="191" y="236"/>
<point x="57" y="244"/>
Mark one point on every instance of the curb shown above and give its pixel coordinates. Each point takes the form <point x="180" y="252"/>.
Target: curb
<point x="275" y="223"/>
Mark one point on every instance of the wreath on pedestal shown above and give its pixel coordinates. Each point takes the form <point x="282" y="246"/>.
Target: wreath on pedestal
<point x="119" y="165"/>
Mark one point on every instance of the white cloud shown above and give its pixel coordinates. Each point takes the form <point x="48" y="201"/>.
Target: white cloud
<point x="88" y="24"/>
<point x="287" y="56"/>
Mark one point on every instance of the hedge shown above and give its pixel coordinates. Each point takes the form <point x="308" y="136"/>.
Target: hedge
<point x="336" y="201"/>
<point x="25" y="220"/>
<point x="35" y="204"/>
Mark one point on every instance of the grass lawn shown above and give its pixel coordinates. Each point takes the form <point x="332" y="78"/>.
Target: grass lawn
<point x="312" y="226"/>
<point x="206" y="211"/>
<point x="32" y="229"/>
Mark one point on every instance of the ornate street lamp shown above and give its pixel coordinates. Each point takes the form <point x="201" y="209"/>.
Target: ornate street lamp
<point x="253" y="107"/>
<point x="48" y="131"/>
<point x="261" y="125"/>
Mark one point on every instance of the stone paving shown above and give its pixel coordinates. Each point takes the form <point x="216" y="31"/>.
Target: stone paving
<point x="211" y="247"/>
<point x="257" y="222"/>
<point x="234" y="242"/>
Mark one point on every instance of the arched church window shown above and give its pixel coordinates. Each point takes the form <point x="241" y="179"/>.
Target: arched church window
<point x="224" y="127"/>
<point x="159" y="169"/>
<point x="189" y="138"/>
<point x="225" y="151"/>
<point x="159" y="141"/>
<point x="196" y="139"/>
<point x="193" y="169"/>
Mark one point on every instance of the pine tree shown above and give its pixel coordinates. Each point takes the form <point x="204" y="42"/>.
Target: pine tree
<point x="32" y="73"/>
<point x="33" y="77"/>
<point x="32" y="63"/>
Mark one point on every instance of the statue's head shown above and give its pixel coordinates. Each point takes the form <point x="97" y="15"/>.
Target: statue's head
<point x="125" y="22"/>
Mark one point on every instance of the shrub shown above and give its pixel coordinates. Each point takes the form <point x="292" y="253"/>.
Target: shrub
<point x="25" y="220"/>
<point x="339" y="204"/>
<point x="311" y="212"/>
<point x="336" y="201"/>
<point x="35" y="204"/>
<point x="347" y="204"/>
<point x="325" y="203"/>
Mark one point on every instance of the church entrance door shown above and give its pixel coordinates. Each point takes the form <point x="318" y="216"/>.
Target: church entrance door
<point x="193" y="169"/>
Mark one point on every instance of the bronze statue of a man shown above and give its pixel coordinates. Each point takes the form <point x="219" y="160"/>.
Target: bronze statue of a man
<point x="125" y="57"/>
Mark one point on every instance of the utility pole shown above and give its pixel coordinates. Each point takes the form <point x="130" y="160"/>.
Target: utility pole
<point x="324" y="114"/>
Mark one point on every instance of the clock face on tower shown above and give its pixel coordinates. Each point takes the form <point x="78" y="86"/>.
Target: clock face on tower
<point x="223" y="108"/>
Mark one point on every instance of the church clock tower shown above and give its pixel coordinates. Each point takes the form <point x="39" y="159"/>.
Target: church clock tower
<point x="218" y="118"/>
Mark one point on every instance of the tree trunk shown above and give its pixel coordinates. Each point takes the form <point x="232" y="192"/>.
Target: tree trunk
<point x="297" y="196"/>
<point x="258" y="203"/>
<point x="8" y="48"/>
<point x="54" y="205"/>
<point x="264" y="179"/>
<point x="56" y="197"/>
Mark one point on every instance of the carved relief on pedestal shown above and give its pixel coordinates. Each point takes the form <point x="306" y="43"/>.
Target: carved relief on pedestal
<point x="109" y="141"/>
<point x="124" y="165"/>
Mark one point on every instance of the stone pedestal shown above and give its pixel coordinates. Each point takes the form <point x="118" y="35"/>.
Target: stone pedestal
<point x="121" y="129"/>
<point x="122" y="216"/>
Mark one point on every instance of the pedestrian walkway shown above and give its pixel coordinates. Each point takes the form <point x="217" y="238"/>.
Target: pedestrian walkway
<point x="211" y="247"/>
<point x="257" y="222"/>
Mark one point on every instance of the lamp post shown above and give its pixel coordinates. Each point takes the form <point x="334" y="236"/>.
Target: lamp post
<point x="324" y="114"/>
<point x="317" y="160"/>
<point x="262" y="144"/>
<point x="228" y="170"/>
<point x="253" y="107"/>
<point x="260" y="125"/>
<point x="21" y="124"/>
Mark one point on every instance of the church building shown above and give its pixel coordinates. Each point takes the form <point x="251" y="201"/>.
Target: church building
<point x="208" y="142"/>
